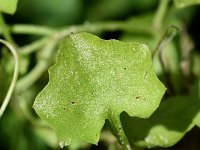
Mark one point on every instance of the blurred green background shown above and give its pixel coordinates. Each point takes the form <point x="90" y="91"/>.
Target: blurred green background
<point x="19" y="131"/>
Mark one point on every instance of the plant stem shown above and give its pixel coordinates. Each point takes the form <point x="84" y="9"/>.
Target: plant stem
<point x="33" y="46"/>
<point x="15" y="75"/>
<point x="93" y="28"/>
<point x="5" y="30"/>
<point x="166" y="39"/>
<point x="32" y="29"/>
<point x="160" y="13"/>
<point x="87" y="27"/>
<point x="41" y="66"/>
<point x="59" y="35"/>
<point x="32" y="76"/>
<point x="117" y="129"/>
<point x="99" y="27"/>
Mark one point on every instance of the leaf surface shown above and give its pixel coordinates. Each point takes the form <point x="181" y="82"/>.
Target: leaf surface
<point x="197" y="118"/>
<point x="169" y="123"/>
<point x="93" y="80"/>
<point x="8" y="6"/>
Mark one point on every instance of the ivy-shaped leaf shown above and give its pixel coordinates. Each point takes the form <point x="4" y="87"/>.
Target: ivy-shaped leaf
<point x="93" y="80"/>
<point x="185" y="3"/>
<point x="8" y="6"/>
<point x="169" y="123"/>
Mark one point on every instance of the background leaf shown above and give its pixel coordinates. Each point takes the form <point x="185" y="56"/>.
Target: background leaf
<point x="8" y="6"/>
<point x="94" y="80"/>
<point x="185" y="3"/>
<point x="170" y="122"/>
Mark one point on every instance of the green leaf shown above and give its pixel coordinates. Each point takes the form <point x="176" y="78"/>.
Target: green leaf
<point x="8" y="6"/>
<point x="6" y="68"/>
<point x="172" y="67"/>
<point x="170" y="122"/>
<point x="185" y="3"/>
<point x="195" y="57"/>
<point x="197" y="118"/>
<point x="139" y="24"/>
<point x="46" y="133"/>
<point x="93" y="80"/>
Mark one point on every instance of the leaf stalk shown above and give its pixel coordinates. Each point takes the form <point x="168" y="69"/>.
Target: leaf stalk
<point x="15" y="76"/>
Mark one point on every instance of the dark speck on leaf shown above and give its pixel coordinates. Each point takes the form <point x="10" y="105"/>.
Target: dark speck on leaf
<point x="137" y="97"/>
<point x="125" y="68"/>
<point x="75" y="102"/>
<point x="145" y="75"/>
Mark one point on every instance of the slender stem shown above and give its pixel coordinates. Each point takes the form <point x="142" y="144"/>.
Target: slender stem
<point x="41" y="66"/>
<point x="117" y="129"/>
<point x="31" y="77"/>
<point x="88" y="27"/>
<point x="164" y="42"/>
<point x="33" y="46"/>
<point x="60" y="34"/>
<point x="32" y="29"/>
<point x="15" y="76"/>
<point x="22" y="104"/>
<point x="166" y="39"/>
<point x="99" y="27"/>
<point x="160" y="13"/>
<point x="5" y="30"/>
<point x="38" y="30"/>
<point x="94" y="28"/>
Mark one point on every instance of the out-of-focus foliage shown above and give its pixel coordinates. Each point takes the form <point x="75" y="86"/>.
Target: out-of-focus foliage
<point x="8" y="6"/>
<point x="170" y="122"/>
<point x="185" y="3"/>
<point x="107" y="85"/>
<point x="176" y="61"/>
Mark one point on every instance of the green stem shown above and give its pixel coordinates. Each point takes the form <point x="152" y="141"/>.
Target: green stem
<point x="15" y="75"/>
<point x="117" y="129"/>
<point x="160" y="13"/>
<point x="32" y="76"/>
<point x="166" y="39"/>
<point x="5" y="30"/>
<point x="99" y="27"/>
<point x="33" y="46"/>
<point x="22" y="104"/>
<point x="59" y="35"/>
<point x="41" y="66"/>
<point x="88" y="27"/>
<point x="93" y="28"/>
<point x="32" y="30"/>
